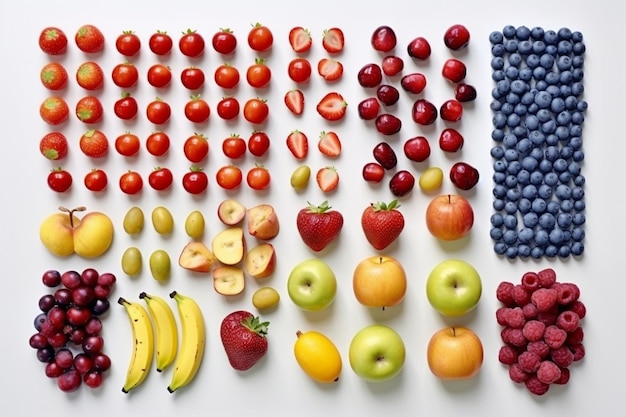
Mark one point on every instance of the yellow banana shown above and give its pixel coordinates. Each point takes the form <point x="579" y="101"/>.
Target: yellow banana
<point x="165" y="330"/>
<point x="143" y="349"/>
<point x="192" y="341"/>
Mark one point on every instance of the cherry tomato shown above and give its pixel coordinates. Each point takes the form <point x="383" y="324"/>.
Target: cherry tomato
<point x="127" y="144"/>
<point x="299" y="70"/>
<point x="195" y="181"/>
<point x="256" y="110"/>
<point x="226" y="76"/>
<point x="224" y="41"/>
<point x="260" y="38"/>
<point x="160" y="43"/>
<point x="125" y="75"/>
<point x="96" y="180"/>
<point x="196" y="148"/>
<point x="131" y="182"/>
<point x="128" y="43"/>
<point x="159" y="75"/>
<point x="158" y="111"/>
<point x="258" y="143"/>
<point x="234" y="146"/>
<point x="228" y="108"/>
<point x="258" y="178"/>
<point x="158" y="143"/>
<point x="192" y="78"/>
<point x="191" y="44"/>
<point x="126" y="108"/>
<point x="229" y="177"/>
<point x="59" y="180"/>
<point x="259" y="74"/>
<point x="160" y="178"/>
<point x="197" y="110"/>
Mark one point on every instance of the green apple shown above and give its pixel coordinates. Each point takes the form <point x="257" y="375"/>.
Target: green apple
<point x="453" y="287"/>
<point x="312" y="285"/>
<point x="377" y="353"/>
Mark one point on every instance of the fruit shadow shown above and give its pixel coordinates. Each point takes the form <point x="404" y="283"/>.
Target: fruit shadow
<point x="455" y="245"/>
<point x="382" y="314"/>
<point x="390" y="386"/>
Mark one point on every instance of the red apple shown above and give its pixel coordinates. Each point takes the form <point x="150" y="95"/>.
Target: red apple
<point x="455" y="353"/>
<point x="379" y="281"/>
<point x="449" y="217"/>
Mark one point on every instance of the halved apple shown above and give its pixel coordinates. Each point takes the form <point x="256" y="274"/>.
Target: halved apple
<point x="229" y="245"/>
<point x="263" y="222"/>
<point x="260" y="261"/>
<point x="228" y="280"/>
<point x="231" y="212"/>
<point x="196" y="256"/>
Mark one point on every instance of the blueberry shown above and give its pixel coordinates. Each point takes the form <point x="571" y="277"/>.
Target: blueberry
<point x="532" y="108"/>
<point x="574" y="167"/>
<point x="499" y="248"/>
<point x="577" y="249"/>
<point x="579" y="205"/>
<point x="578" y="61"/>
<point x="552" y="139"/>
<point x="532" y="122"/>
<point x="566" y="77"/>
<point x="579" y="180"/>
<point x="539" y="73"/>
<point x="525" y="74"/>
<point x="566" y="89"/>
<point x="495" y="105"/>
<point x="513" y="194"/>
<point x="551" y="179"/>
<point x="510" y="45"/>
<point x="548" y="126"/>
<point x="523" y="177"/>
<point x="536" y="177"/>
<point x="515" y="59"/>
<point x="498" y="50"/>
<point x="563" y="192"/>
<point x="496" y="233"/>
<point x="565" y="177"/>
<point x="575" y="142"/>
<point x="525" y="47"/>
<point x="578" y="74"/>
<point x="497" y="219"/>
<point x="503" y="87"/>
<point x="564" y="34"/>
<point x="498" y="177"/>
<point x="564" y="63"/>
<point x="539" y="205"/>
<point x="541" y="237"/>
<point x="509" y="31"/>
<point x="545" y="166"/>
<point x="529" y="191"/>
<point x="497" y="152"/>
<point x="498" y="75"/>
<point x="564" y="220"/>
<point x="564" y="47"/>
<point x="511" y="155"/>
<point x="546" y="61"/>
<point x="536" y="252"/>
<point x="510" y="181"/>
<point x="566" y="206"/>
<point x="578" y="219"/>
<point x="537" y="32"/>
<point x="564" y="118"/>
<point x="509" y="237"/>
<point x="521" y="109"/>
<point x="497" y="63"/>
<point x="578" y="88"/>
<point x="510" y="207"/>
<point x="507" y="108"/>
<point x="524" y="205"/>
<point x="499" y="120"/>
<point x="529" y="163"/>
<point x="578" y="118"/>
<point x="514" y="167"/>
<point x="530" y="220"/>
<point x="510" y="221"/>
<point x="560" y="165"/>
<point x="553" y="90"/>
<point x="511" y="72"/>
<point x="557" y="105"/>
<point x="578" y="156"/>
<point x="578" y="234"/>
<point x="537" y="137"/>
<point x="551" y="50"/>
<point x="577" y="36"/>
<point x="552" y="78"/>
<point x="562" y="132"/>
<point x="550" y="37"/>
<point x="575" y="130"/>
<point x="500" y="166"/>
<point x="524" y="145"/>
<point x="523" y="250"/>
<point x="553" y="207"/>
<point x="552" y="153"/>
<point x="547" y="221"/>
<point x="541" y="85"/>
<point x="526" y="235"/>
<point x="544" y="114"/>
<point x="544" y="192"/>
<point x="533" y="61"/>
<point x="538" y="47"/>
<point x="551" y="251"/>
<point x="577" y="193"/>
<point x="496" y="37"/>
<point x="498" y="204"/>
<point x="564" y="251"/>
<point x="513" y="120"/>
<point x="556" y="236"/>
<point x="519" y="87"/>
<point x="578" y="48"/>
<point x="499" y="191"/>
<point x="511" y="252"/>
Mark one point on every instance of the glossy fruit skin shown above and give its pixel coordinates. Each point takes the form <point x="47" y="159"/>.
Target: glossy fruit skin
<point x="191" y="44"/>
<point x="401" y="183"/>
<point x="388" y="124"/>
<point x="413" y="83"/>
<point x="243" y="339"/>
<point x="192" y="78"/>
<point x="464" y="92"/>
<point x="126" y="108"/>
<point x="127" y="144"/>
<point x="392" y="65"/>
<point x="125" y="75"/>
<point x="96" y="180"/>
<point x="424" y="112"/>
<point x="456" y="37"/>
<point x="59" y="180"/>
<point x="260" y="38"/>
<point x="159" y="75"/>
<point x="299" y="70"/>
<point x="319" y="225"/>
<point x="94" y="143"/>
<point x="229" y="177"/>
<point x="258" y="178"/>
<point x="128" y="43"/>
<point x="259" y="75"/>
<point x="368" y="108"/>
<point x="387" y="94"/>
<point x="454" y="70"/>
<point x="464" y="175"/>
<point x="131" y="182"/>
<point x="195" y="181"/>
<point x="196" y="148"/>
<point x="256" y="110"/>
<point x="89" y="39"/>
<point x="450" y="140"/>
<point x="451" y="110"/>
<point x="160" y="178"/>
<point x="53" y="41"/>
<point x="197" y="110"/>
<point x="385" y="155"/>
<point x="158" y="143"/>
<point x="258" y="143"/>
<point x="382" y="224"/>
<point x="370" y="75"/>
<point x="53" y="76"/>
<point x="53" y="145"/>
<point x="417" y="148"/>
<point x="160" y="43"/>
<point x="89" y="109"/>
<point x="226" y="76"/>
<point x="384" y="39"/>
<point x="158" y="111"/>
<point x="373" y="172"/>
<point x="224" y="41"/>
<point x="54" y="110"/>
<point x="419" y="48"/>
<point x="228" y="108"/>
<point x="318" y="356"/>
<point x="234" y="147"/>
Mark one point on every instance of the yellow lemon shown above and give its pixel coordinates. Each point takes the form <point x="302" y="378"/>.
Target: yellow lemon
<point x="318" y="356"/>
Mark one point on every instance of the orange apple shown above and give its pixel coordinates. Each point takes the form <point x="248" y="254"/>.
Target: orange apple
<point x="260" y="261"/>
<point x="229" y="245"/>
<point x="228" y="280"/>
<point x="263" y="222"/>
<point x="449" y="217"/>
<point x="379" y="281"/>
<point x="196" y="256"/>
<point x="231" y="212"/>
<point x="455" y="353"/>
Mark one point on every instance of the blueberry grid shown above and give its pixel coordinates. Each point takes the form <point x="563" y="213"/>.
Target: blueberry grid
<point x="537" y="151"/>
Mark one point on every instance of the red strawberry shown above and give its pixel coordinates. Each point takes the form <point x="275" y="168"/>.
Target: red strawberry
<point x="332" y="106"/>
<point x="294" y="100"/>
<point x="333" y="40"/>
<point x="90" y="76"/>
<point x="53" y="145"/>
<point x="300" y="39"/>
<point x="329" y="144"/>
<point x="327" y="179"/>
<point x="89" y="109"/>
<point x="244" y="339"/>
<point x="330" y="69"/>
<point x="298" y="144"/>
<point x="382" y="223"/>
<point x="89" y="39"/>
<point x="319" y="225"/>
<point x="53" y="41"/>
<point x="94" y="143"/>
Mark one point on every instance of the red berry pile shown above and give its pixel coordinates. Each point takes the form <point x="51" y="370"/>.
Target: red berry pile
<point x="542" y="332"/>
<point x="68" y="338"/>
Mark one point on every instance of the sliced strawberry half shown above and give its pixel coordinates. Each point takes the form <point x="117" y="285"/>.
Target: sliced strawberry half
<point x="300" y="39"/>
<point x="329" y="144"/>
<point x="332" y="106"/>
<point x="294" y="100"/>
<point x="298" y="144"/>
<point x="327" y="179"/>
<point x="333" y="40"/>
<point x="330" y="69"/>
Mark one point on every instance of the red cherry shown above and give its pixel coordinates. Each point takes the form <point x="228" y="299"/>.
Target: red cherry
<point x="465" y="92"/>
<point x="450" y="140"/>
<point x="373" y="172"/>
<point x="451" y="110"/>
<point x="385" y="155"/>
<point x="456" y="37"/>
<point x="369" y="108"/>
<point x="454" y="70"/>
<point x="370" y="75"/>
<point x="384" y="39"/>
<point x="417" y="148"/>
<point x="464" y="176"/>
<point x="424" y="112"/>
<point x="392" y="65"/>
<point x="388" y="124"/>
<point x="413" y="83"/>
<point x="419" y="48"/>
<point x="401" y="183"/>
<point x="388" y="94"/>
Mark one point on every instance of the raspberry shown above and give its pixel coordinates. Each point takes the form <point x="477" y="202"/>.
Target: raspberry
<point x="530" y="281"/>
<point x="528" y="361"/>
<point x="513" y="337"/>
<point x="533" y="330"/>
<point x="564" y="379"/>
<point x="579" y="308"/>
<point x="547" y="277"/>
<point x="548" y="372"/>
<point x="539" y="347"/>
<point x="566" y="293"/>
<point x="530" y="311"/>
<point x="575" y="337"/>
<point x="554" y="336"/>
<point x="544" y="298"/>
<point x="508" y="355"/>
<point x="504" y="293"/>
<point x="548" y="317"/>
<point x="562" y="356"/>
<point x="517" y="374"/>
<point x="579" y="351"/>
<point x="535" y="386"/>
<point x="520" y="295"/>
<point x="568" y="321"/>
<point x="515" y="317"/>
<point x="501" y="314"/>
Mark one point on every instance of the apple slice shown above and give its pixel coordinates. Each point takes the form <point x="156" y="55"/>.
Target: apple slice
<point x="263" y="222"/>
<point x="196" y="256"/>
<point x="260" y="261"/>
<point x="231" y="212"/>
<point x="228" y="280"/>
<point x="229" y="245"/>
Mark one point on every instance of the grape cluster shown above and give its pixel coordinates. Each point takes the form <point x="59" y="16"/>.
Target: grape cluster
<point x="542" y="333"/>
<point x="68" y="338"/>
<point x="538" y="116"/>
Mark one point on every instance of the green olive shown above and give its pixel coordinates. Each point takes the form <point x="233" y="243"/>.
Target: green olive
<point x="132" y="261"/>
<point x="162" y="220"/>
<point x="300" y="177"/>
<point x="133" y="221"/>
<point x="265" y="297"/>
<point x="160" y="265"/>
<point x="194" y="224"/>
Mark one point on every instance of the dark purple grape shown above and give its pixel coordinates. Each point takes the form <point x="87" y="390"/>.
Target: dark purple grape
<point x="77" y="336"/>
<point x="93" y="326"/>
<point x="101" y="361"/>
<point x="100" y="306"/>
<point x="106" y="279"/>
<point x="64" y="358"/>
<point x="63" y="297"/>
<point x="101" y="291"/>
<point x="58" y="340"/>
<point x="69" y="381"/>
<point x="38" y="341"/>
<point x="51" y="278"/>
<point x="89" y="277"/>
<point x="83" y="363"/>
<point x="46" y="302"/>
<point x="39" y="320"/>
<point x="53" y="370"/>
<point x="93" y="344"/>
<point x="45" y="354"/>
<point x="71" y="280"/>
<point x="93" y="378"/>
<point x="83" y="296"/>
<point x="78" y="316"/>
<point x="57" y="317"/>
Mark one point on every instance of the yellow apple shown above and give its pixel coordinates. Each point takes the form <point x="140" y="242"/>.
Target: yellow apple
<point x="230" y="212"/>
<point x="379" y="281"/>
<point x="229" y="245"/>
<point x="455" y="353"/>
<point x="65" y="233"/>
<point x="196" y="256"/>
<point x="263" y="222"/>
<point x="260" y="261"/>
<point x="228" y="280"/>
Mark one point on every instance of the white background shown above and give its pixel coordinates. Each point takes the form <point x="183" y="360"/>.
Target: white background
<point x="276" y="386"/>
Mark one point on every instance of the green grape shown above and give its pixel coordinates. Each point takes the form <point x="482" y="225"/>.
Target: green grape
<point x="133" y="221"/>
<point x="194" y="224"/>
<point x="132" y="261"/>
<point x="162" y="220"/>
<point x="160" y="265"/>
